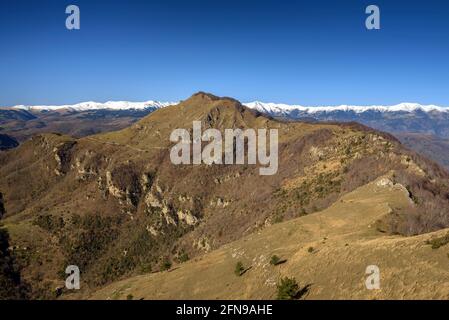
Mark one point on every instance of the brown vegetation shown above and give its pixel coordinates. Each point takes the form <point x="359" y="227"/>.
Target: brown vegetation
<point x="115" y="205"/>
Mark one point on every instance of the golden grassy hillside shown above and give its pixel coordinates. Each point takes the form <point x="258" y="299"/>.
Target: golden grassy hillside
<point x="344" y="241"/>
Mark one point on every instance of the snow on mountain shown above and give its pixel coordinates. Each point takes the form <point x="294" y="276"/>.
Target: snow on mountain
<point x="279" y="109"/>
<point x="110" y="105"/>
<point x="270" y="108"/>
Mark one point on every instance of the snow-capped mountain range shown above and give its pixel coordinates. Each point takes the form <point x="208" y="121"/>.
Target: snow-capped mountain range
<point x="110" y="105"/>
<point x="270" y="108"/>
<point x="424" y="128"/>
<point x="279" y="109"/>
<point x="400" y="118"/>
<point x="403" y="117"/>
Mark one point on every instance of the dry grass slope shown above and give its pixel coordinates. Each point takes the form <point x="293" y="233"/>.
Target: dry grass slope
<point x="344" y="242"/>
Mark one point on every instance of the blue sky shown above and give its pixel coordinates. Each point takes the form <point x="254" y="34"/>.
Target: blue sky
<point x="305" y="52"/>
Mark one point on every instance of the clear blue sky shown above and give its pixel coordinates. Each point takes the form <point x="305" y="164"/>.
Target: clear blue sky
<point x="306" y="52"/>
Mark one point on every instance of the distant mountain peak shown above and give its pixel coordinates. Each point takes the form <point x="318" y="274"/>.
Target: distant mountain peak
<point x="279" y="108"/>
<point x="92" y="105"/>
<point x="270" y="108"/>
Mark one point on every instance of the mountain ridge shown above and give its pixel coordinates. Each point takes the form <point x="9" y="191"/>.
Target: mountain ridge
<point x="260" y="106"/>
<point x="401" y="107"/>
<point x="116" y="206"/>
<point x="92" y="105"/>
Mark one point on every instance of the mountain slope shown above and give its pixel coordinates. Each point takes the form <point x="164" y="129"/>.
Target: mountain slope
<point x="7" y="142"/>
<point x="115" y="205"/>
<point x="430" y="146"/>
<point x="422" y="128"/>
<point x="77" y="120"/>
<point x="22" y="124"/>
<point x="91" y="105"/>
<point x="404" y="117"/>
<point x="344" y="241"/>
<point x="87" y="118"/>
<point x="280" y="108"/>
